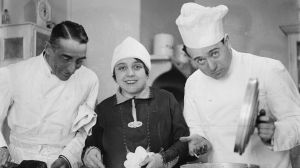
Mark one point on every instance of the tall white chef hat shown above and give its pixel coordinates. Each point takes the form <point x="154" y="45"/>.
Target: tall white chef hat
<point x="201" y="26"/>
<point x="130" y="48"/>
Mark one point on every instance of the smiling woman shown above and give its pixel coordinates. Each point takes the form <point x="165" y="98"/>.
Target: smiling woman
<point x="131" y="76"/>
<point x="136" y="117"/>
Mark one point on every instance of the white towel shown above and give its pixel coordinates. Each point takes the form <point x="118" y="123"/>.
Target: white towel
<point x="134" y="159"/>
<point x="85" y="119"/>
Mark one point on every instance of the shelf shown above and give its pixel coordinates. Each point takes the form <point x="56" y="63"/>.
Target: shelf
<point x="160" y="58"/>
<point x="290" y="29"/>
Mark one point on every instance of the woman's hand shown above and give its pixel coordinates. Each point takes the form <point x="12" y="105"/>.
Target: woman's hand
<point x="153" y="161"/>
<point x="197" y="145"/>
<point x="93" y="159"/>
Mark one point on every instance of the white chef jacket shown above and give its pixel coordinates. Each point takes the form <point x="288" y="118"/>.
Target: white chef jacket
<point x="40" y="108"/>
<point x="212" y="109"/>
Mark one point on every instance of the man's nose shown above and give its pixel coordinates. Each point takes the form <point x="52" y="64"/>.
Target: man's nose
<point x="212" y="65"/>
<point x="72" y="68"/>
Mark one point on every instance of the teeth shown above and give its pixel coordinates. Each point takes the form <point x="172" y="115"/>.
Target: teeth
<point x="130" y="82"/>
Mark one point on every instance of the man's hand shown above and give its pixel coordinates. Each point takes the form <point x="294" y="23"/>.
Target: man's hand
<point x="197" y="145"/>
<point x="92" y="159"/>
<point x="4" y="156"/>
<point x="154" y="161"/>
<point x="266" y="127"/>
<point x="60" y="163"/>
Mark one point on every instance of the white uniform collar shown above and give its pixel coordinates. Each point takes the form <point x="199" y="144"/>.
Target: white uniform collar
<point x="45" y="64"/>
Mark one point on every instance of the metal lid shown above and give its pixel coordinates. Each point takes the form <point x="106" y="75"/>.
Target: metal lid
<point x="248" y="116"/>
<point x="219" y="165"/>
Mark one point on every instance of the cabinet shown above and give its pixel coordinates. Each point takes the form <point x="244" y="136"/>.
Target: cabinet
<point x="21" y="41"/>
<point x="293" y="34"/>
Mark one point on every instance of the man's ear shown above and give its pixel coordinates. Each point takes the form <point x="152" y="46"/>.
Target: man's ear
<point x="47" y="47"/>
<point x="226" y="39"/>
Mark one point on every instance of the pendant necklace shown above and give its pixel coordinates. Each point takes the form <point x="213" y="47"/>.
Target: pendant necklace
<point x="135" y="123"/>
<point x="124" y="125"/>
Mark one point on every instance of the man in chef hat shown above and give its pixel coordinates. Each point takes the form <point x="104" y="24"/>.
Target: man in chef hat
<point x="214" y="94"/>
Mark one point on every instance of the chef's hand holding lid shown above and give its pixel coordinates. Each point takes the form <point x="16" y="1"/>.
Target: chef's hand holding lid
<point x="4" y="156"/>
<point x="265" y="127"/>
<point x="198" y="145"/>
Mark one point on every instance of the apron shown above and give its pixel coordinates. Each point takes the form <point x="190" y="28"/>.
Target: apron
<point x="20" y="151"/>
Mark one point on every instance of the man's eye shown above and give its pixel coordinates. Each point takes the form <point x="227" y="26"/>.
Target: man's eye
<point x="200" y="60"/>
<point x="80" y="61"/>
<point x="66" y="58"/>
<point x="214" y="54"/>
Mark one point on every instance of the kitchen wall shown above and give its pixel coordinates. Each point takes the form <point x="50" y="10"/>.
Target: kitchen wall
<point x="16" y="10"/>
<point x="253" y="26"/>
<point x="158" y="16"/>
<point x="107" y="24"/>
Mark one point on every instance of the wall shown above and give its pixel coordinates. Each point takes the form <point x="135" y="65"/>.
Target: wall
<point x="253" y="26"/>
<point x="158" y="16"/>
<point x="107" y="23"/>
<point x="16" y="10"/>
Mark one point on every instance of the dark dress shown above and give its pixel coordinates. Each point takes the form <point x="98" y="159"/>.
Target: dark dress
<point x="163" y="125"/>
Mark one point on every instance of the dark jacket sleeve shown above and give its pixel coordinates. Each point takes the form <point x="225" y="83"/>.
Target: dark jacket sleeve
<point x="179" y="129"/>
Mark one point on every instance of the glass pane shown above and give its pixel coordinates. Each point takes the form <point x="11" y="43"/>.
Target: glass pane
<point x="298" y="62"/>
<point x="298" y="49"/>
<point x="13" y="48"/>
<point x="40" y="42"/>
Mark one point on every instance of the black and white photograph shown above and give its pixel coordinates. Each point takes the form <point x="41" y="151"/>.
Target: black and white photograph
<point x="150" y="83"/>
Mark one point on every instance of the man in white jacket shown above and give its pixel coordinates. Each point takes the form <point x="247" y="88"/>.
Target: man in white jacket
<point x="48" y="101"/>
<point x="214" y="94"/>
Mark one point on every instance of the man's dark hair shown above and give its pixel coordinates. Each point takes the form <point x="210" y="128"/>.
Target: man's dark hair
<point x="145" y="67"/>
<point x="68" y="30"/>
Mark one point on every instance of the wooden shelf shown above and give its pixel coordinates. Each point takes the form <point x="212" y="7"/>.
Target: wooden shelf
<point x="290" y="29"/>
<point x="160" y="58"/>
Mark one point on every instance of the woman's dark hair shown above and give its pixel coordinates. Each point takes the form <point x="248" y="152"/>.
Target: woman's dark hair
<point x="145" y="67"/>
<point x="68" y="30"/>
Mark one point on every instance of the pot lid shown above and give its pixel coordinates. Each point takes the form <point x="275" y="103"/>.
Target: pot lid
<point x="248" y="116"/>
<point x="219" y="165"/>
